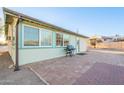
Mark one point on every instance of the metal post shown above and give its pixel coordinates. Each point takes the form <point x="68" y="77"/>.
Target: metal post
<point x="17" y="65"/>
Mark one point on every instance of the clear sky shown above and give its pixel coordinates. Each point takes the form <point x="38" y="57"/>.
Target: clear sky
<point x="88" y="21"/>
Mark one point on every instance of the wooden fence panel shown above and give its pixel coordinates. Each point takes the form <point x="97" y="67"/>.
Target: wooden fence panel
<point x="111" y="45"/>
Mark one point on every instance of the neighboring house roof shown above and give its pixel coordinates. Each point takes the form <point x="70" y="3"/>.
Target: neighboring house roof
<point x="107" y="37"/>
<point x="23" y="16"/>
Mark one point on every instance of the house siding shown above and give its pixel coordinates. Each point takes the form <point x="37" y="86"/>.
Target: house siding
<point x="83" y="45"/>
<point x="35" y="54"/>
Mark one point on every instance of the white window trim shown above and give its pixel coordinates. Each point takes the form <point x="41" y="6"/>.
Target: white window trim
<point x="40" y="29"/>
<point x="63" y="40"/>
<point x="23" y="46"/>
<point x="39" y="46"/>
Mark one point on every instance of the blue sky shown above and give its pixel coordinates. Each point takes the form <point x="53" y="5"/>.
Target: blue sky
<point x="88" y="21"/>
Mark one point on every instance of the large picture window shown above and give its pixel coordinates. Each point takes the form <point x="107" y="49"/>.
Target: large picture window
<point x="31" y="36"/>
<point x="59" y="39"/>
<point x="66" y="39"/>
<point x="46" y="37"/>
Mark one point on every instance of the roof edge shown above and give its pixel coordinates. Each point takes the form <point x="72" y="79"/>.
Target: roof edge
<point x="37" y="20"/>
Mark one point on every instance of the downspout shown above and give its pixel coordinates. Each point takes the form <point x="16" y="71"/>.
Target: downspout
<point x="17" y="53"/>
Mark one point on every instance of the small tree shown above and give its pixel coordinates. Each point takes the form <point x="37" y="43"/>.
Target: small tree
<point x="93" y="42"/>
<point x="1" y="29"/>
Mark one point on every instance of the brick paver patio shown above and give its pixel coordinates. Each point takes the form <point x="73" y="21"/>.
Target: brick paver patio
<point x="61" y="71"/>
<point x="92" y="68"/>
<point x="102" y="73"/>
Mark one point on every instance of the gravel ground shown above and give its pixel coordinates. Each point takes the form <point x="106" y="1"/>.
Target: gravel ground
<point x="22" y="77"/>
<point x="5" y="60"/>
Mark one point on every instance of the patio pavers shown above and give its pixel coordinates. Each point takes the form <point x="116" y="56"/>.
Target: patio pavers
<point x="61" y="71"/>
<point x="102" y="74"/>
<point x="70" y="70"/>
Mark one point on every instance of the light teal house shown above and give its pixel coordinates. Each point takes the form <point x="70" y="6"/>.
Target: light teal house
<point x="31" y="40"/>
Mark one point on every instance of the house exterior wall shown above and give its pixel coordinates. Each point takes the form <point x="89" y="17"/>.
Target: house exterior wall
<point x="34" y="54"/>
<point x="11" y="48"/>
<point x="83" y="44"/>
<point x="12" y="40"/>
